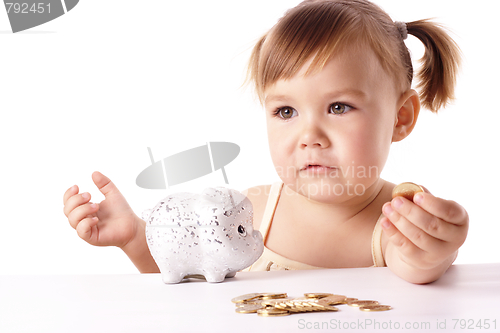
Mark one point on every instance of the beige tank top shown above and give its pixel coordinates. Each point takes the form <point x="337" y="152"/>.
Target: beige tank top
<point x="271" y="261"/>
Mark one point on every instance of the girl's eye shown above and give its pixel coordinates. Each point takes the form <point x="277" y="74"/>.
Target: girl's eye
<point x="286" y="112"/>
<point x="339" y="108"/>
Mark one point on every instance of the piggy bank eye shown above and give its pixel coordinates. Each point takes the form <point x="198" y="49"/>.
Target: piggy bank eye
<point x="242" y="231"/>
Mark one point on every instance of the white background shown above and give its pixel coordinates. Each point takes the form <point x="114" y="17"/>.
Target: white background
<point x="94" y="88"/>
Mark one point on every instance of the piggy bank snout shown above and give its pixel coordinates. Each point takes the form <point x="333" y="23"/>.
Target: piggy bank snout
<point x="258" y="241"/>
<point x="257" y="236"/>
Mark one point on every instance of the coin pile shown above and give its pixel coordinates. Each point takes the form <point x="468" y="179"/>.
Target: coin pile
<point x="279" y="304"/>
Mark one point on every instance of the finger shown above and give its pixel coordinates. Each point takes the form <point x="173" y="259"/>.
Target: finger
<point x="75" y="201"/>
<point x="81" y="212"/>
<point x="413" y="233"/>
<point x="425" y="189"/>
<point x="104" y="184"/>
<point x="447" y="210"/>
<point x="430" y="224"/>
<point x="389" y="229"/>
<point x="70" y="192"/>
<point x="87" y="228"/>
<point x="403" y="244"/>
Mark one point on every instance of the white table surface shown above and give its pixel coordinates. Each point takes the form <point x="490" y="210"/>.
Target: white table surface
<point x="143" y="303"/>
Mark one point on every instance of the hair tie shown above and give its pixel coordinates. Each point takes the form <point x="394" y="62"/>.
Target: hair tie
<point x="402" y="29"/>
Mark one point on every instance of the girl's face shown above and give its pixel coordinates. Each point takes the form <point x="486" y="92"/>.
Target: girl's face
<point x="330" y="131"/>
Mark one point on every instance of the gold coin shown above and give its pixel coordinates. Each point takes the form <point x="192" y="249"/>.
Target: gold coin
<point x="301" y="303"/>
<point x="315" y="304"/>
<point x="300" y="306"/>
<point x="302" y="310"/>
<point x="295" y="309"/>
<point x="406" y="190"/>
<point x="272" y="312"/>
<point x="306" y="299"/>
<point x="274" y="301"/>
<point x="377" y="307"/>
<point x="240" y="305"/>
<point x="330" y="308"/>
<point x="244" y="298"/>
<point x="272" y="295"/>
<point x="295" y="303"/>
<point x="251" y="308"/>
<point x="349" y="299"/>
<point x="359" y="303"/>
<point x="319" y="307"/>
<point x="317" y="295"/>
<point x="332" y="300"/>
<point x="250" y="302"/>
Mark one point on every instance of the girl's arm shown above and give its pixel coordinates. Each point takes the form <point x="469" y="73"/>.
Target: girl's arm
<point x="138" y="251"/>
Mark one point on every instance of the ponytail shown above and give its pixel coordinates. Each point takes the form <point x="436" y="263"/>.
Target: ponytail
<point x="437" y="77"/>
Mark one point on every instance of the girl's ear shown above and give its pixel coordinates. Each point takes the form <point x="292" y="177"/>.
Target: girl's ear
<point x="407" y="115"/>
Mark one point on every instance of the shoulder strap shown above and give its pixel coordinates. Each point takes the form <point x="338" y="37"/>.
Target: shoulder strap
<point x="377" y="254"/>
<point x="272" y="202"/>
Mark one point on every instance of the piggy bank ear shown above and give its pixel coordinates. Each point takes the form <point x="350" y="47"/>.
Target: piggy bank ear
<point x="145" y="214"/>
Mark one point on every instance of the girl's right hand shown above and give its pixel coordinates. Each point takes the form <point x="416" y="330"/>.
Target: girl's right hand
<point x="108" y="223"/>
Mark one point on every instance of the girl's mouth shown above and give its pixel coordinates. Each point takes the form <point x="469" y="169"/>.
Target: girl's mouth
<point x="317" y="168"/>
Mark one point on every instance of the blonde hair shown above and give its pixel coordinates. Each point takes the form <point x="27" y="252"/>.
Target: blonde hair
<point x="317" y="29"/>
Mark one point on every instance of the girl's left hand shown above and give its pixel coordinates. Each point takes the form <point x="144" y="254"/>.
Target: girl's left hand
<point x="427" y="231"/>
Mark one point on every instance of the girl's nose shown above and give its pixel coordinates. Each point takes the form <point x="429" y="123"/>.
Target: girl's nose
<point x="313" y="136"/>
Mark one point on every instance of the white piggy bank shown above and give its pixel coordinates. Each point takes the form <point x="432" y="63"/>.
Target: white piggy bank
<point x="209" y="234"/>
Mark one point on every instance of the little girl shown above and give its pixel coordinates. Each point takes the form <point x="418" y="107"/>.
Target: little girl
<point x="335" y="79"/>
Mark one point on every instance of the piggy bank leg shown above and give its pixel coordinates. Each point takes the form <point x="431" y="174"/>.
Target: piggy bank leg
<point x="172" y="277"/>
<point x="218" y="276"/>
<point x="215" y="276"/>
